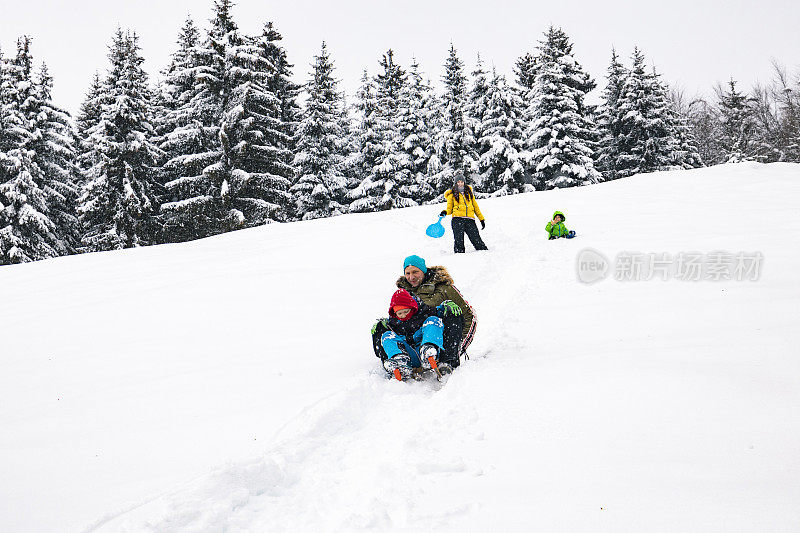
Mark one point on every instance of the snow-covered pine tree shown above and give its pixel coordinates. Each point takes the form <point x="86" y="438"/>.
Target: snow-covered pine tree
<point x="362" y="195"/>
<point x="118" y="206"/>
<point x="53" y="146"/>
<point x="394" y="172"/>
<point x="609" y="119"/>
<point x="678" y="147"/>
<point x="646" y="142"/>
<point x="280" y="84"/>
<point x="560" y="133"/>
<point x="179" y="82"/>
<point x="256" y="162"/>
<point x="351" y="153"/>
<point x="389" y="182"/>
<point x="737" y="139"/>
<point x="320" y="187"/>
<point x="5" y="116"/>
<point x="501" y="165"/>
<point x="474" y="112"/>
<point x="88" y="117"/>
<point x="179" y="131"/>
<point x="454" y="142"/>
<point x="229" y="166"/>
<point x="525" y="70"/>
<point x="189" y="133"/>
<point x="27" y="229"/>
<point x="686" y="153"/>
<point x="416" y="121"/>
<point x="12" y="132"/>
<point x="27" y="232"/>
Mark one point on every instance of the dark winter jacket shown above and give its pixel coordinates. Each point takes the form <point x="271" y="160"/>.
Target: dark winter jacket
<point x="407" y="328"/>
<point x="435" y="289"/>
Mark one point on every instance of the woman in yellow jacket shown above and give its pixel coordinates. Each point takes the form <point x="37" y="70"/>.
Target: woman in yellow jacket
<point x="461" y="204"/>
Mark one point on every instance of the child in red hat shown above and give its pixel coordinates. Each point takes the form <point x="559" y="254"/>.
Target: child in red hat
<point x="415" y="334"/>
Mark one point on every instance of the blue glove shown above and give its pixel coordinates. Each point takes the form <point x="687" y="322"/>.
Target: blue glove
<point x="449" y="308"/>
<point x="382" y="322"/>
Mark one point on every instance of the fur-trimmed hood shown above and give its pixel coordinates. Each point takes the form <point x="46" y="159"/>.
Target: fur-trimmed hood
<point x="437" y="275"/>
<point x="438" y="287"/>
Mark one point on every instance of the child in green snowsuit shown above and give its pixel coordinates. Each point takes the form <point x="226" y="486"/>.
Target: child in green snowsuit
<point x="556" y="227"/>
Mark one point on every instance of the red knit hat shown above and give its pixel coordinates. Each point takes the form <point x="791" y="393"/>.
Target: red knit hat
<point x="402" y="298"/>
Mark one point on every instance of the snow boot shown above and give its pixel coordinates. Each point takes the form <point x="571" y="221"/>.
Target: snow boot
<point x="445" y="368"/>
<point x="399" y="366"/>
<point x="428" y="355"/>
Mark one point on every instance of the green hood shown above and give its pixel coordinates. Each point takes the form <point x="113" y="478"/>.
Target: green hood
<point x="563" y="218"/>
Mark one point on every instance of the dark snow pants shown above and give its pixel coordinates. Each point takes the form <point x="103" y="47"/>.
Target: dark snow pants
<point x="468" y="225"/>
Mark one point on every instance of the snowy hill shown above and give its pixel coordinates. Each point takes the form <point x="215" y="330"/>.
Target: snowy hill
<point x="229" y="384"/>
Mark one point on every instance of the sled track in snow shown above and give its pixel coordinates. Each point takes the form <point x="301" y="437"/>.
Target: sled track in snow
<point x="379" y="435"/>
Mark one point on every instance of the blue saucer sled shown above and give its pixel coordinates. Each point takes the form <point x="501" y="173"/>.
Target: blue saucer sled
<point x="436" y="229"/>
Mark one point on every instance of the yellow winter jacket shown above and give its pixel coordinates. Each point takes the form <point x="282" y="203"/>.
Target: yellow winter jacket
<point x="462" y="208"/>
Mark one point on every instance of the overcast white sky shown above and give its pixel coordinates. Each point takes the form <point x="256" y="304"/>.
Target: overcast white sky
<point x="693" y="43"/>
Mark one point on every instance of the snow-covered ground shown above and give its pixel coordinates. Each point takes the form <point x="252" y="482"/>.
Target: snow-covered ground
<point x="229" y="384"/>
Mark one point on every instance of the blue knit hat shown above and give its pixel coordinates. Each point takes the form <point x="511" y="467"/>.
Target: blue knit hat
<point x="416" y="261"/>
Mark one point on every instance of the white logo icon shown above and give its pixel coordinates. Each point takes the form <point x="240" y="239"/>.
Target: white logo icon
<point x="592" y="266"/>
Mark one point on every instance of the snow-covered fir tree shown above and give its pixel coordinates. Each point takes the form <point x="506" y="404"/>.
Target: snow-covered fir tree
<point x="646" y="141"/>
<point x="474" y="112"/>
<point x="686" y="152"/>
<point x="88" y="117"/>
<point x="351" y="152"/>
<point x="737" y="139"/>
<point x="416" y="120"/>
<point x="679" y="147"/>
<point x="256" y="163"/>
<point x="29" y="200"/>
<point x="320" y="187"/>
<point x="53" y="146"/>
<point x="502" y="165"/>
<point x="118" y="206"/>
<point x="189" y="134"/>
<point x="179" y="82"/>
<point x="368" y="149"/>
<point x="27" y="231"/>
<point x="280" y="84"/>
<point x="229" y="165"/>
<point x="560" y="133"/>
<point x="609" y="119"/>
<point x="389" y="181"/>
<point x="394" y="171"/>
<point x="6" y="118"/>
<point x="178" y="129"/>
<point x="454" y="142"/>
<point x="525" y="71"/>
